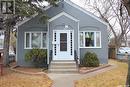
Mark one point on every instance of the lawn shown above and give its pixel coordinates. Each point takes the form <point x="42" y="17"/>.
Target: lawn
<point x="12" y="79"/>
<point x="112" y="78"/>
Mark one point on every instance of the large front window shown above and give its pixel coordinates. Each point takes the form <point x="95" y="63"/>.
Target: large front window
<point x="90" y="39"/>
<point x="35" y="40"/>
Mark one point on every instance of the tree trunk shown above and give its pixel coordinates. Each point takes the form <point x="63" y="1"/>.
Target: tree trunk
<point x="6" y="45"/>
<point x="128" y="75"/>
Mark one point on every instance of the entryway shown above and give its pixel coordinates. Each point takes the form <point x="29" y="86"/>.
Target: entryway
<point x="63" y="45"/>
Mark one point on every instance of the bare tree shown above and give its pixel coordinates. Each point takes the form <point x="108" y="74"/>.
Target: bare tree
<point x="126" y="3"/>
<point x="109" y="11"/>
<point x="119" y="11"/>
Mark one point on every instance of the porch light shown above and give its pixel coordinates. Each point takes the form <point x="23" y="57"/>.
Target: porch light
<point x="66" y="26"/>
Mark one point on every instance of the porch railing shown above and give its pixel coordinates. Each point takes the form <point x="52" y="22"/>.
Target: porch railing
<point x="50" y="56"/>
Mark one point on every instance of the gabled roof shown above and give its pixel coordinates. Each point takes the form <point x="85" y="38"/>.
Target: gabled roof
<point x="72" y="4"/>
<point x="85" y="11"/>
<point x="26" y="20"/>
<point x="63" y="14"/>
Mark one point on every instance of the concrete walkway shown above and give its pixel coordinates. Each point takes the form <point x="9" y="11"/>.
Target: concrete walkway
<point x="67" y="80"/>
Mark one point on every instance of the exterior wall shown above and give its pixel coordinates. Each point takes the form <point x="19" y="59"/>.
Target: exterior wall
<point x="102" y="52"/>
<point x="86" y="22"/>
<point x="59" y="24"/>
<point x="32" y="25"/>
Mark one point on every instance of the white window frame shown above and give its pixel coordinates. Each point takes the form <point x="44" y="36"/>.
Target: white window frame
<point x="30" y="38"/>
<point x="95" y="46"/>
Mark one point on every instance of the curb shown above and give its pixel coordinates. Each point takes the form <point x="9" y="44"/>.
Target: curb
<point x="27" y="73"/>
<point x="95" y="69"/>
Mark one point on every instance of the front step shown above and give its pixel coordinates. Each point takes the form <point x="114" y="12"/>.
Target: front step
<point x="61" y="66"/>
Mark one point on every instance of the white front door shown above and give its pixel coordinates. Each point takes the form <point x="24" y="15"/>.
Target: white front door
<point x="63" y="45"/>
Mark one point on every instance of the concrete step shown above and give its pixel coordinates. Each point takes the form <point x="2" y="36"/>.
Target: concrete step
<point x="63" y="66"/>
<point x="63" y="70"/>
<point x="63" y="63"/>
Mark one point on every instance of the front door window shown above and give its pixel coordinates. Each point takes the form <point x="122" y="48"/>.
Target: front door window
<point x="63" y="41"/>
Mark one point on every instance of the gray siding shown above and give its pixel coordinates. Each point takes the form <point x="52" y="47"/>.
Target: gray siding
<point x="86" y="22"/>
<point x="32" y="25"/>
<point x="59" y="24"/>
<point x="102" y="52"/>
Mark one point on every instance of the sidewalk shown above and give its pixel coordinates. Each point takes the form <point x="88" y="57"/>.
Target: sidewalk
<point x="67" y="80"/>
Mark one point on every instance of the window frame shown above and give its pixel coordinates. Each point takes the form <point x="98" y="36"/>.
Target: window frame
<point x="95" y="45"/>
<point x="30" y="40"/>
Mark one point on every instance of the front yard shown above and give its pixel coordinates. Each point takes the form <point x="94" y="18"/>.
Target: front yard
<point x="12" y="79"/>
<point x="113" y="78"/>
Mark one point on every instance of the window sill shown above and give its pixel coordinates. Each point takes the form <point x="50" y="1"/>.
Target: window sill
<point x="91" y="47"/>
<point x="34" y="48"/>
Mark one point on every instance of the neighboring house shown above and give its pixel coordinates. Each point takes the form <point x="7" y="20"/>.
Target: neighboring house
<point x="128" y="41"/>
<point x="65" y="35"/>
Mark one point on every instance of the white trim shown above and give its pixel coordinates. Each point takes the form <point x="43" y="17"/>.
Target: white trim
<point x="61" y="14"/>
<point x="91" y="47"/>
<point x="26" y="20"/>
<point x="66" y="31"/>
<point x="17" y="45"/>
<point x="94" y="39"/>
<point x="85" y="11"/>
<point x="48" y="49"/>
<point x="78" y="45"/>
<point x="30" y="38"/>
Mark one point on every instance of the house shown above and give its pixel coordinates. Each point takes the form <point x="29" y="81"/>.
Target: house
<point x="65" y="36"/>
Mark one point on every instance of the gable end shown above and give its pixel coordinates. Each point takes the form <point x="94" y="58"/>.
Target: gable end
<point x="61" y="14"/>
<point x="83" y="10"/>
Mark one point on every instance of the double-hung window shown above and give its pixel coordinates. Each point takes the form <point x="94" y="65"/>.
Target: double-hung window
<point x="35" y="40"/>
<point x="90" y="39"/>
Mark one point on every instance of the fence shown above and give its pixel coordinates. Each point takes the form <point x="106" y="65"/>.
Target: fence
<point x="112" y="52"/>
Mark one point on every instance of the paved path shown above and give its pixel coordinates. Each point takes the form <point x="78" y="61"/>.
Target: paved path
<point x="67" y="80"/>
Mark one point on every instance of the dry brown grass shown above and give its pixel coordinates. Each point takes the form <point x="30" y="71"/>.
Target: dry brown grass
<point x="113" y="78"/>
<point x="12" y="79"/>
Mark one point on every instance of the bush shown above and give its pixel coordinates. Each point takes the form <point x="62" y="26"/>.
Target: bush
<point x="37" y="56"/>
<point x="90" y="60"/>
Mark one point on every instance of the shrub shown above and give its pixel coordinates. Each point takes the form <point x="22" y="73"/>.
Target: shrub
<point x="37" y="56"/>
<point x="90" y="60"/>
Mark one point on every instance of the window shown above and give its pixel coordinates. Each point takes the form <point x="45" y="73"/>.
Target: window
<point x="90" y="39"/>
<point x="35" y="40"/>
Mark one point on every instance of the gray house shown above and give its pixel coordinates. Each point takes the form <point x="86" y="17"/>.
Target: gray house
<point x="65" y="35"/>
